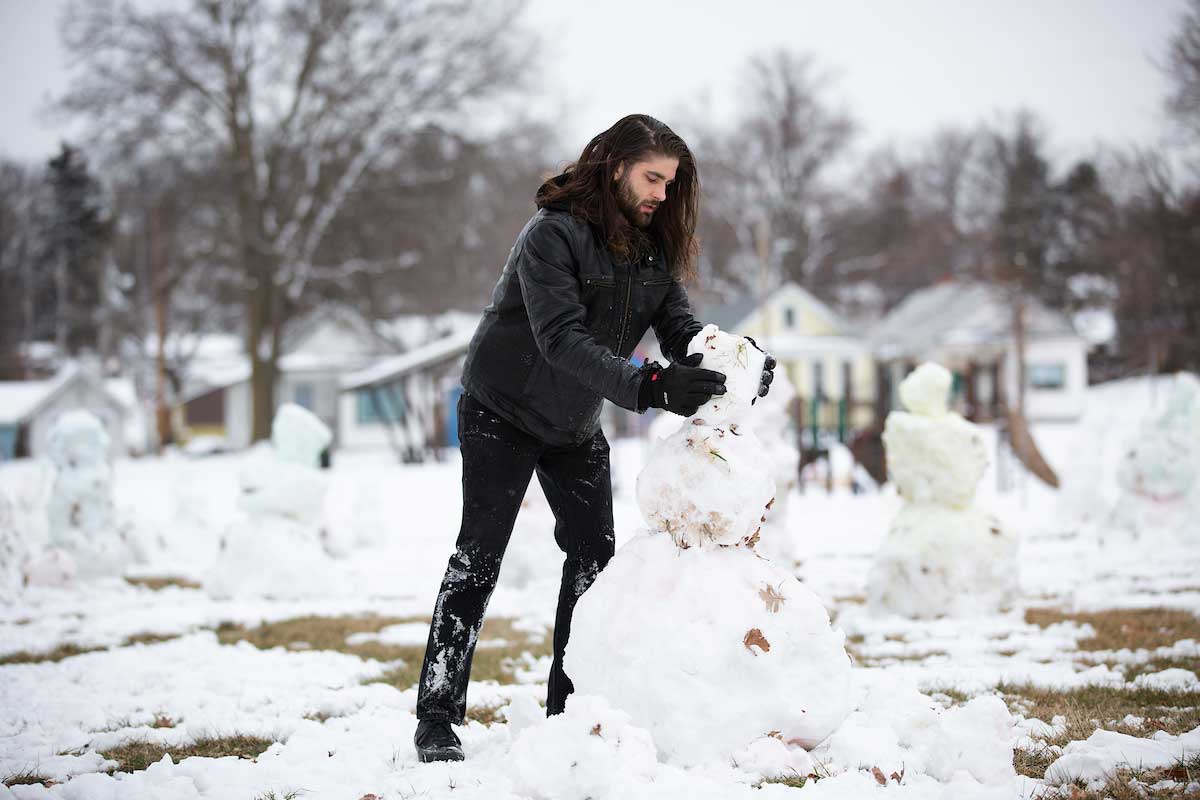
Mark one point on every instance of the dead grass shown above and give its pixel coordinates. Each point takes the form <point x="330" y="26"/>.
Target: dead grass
<point x="291" y="794"/>
<point x="1091" y="707"/>
<point x="1128" y="783"/>
<point x="138" y="754"/>
<point x="26" y="777"/>
<point x="159" y="582"/>
<point x="68" y="650"/>
<point x="486" y="715"/>
<point x="1135" y="628"/>
<point x="330" y="633"/>
<point x="793" y="781"/>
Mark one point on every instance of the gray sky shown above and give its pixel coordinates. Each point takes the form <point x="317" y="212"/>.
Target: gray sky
<point x="901" y="67"/>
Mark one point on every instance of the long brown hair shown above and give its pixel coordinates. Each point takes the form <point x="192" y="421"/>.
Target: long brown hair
<point x="588" y="190"/>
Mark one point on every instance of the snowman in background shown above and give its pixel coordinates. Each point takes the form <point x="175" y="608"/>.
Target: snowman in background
<point x="1159" y="474"/>
<point x="275" y="548"/>
<point x="84" y="538"/>
<point x="713" y="649"/>
<point x="942" y="556"/>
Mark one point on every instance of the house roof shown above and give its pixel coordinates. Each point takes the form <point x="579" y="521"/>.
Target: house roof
<point x="958" y="314"/>
<point x="394" y="367"/>
<point x="22" y="400"/>
<point x="736" y="313"/>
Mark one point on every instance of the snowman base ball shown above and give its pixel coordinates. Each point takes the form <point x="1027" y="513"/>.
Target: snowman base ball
<point x="943" y="562"/>
<point x="709" y="649"/>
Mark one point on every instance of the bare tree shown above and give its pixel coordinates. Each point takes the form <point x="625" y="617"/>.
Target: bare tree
<point x="1183" y="71"/>
<point x="766" y="176"/>
<point x="297" y="101"/>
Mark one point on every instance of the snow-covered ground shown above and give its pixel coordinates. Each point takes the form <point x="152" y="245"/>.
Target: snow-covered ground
<point x="915" y="728"/>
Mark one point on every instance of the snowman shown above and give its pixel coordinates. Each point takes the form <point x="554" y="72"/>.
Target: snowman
<point x="1159" y="474"/>
<point x="274" y="548"/>
<point x="942" y="555"/>
<point x="704" y="643"/>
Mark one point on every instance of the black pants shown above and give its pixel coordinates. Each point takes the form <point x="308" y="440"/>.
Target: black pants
<point x="498" y="461"/>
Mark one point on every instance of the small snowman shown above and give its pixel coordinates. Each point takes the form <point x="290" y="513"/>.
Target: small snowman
<point x="84" y="538"/>
<point x="275" y="547"/>
<point x="705" y="644"/>
<point x="1159" y="475"/>
<point x="942" y="555"/>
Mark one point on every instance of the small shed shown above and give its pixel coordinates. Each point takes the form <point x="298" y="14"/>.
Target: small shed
<point x="29" y="409"/>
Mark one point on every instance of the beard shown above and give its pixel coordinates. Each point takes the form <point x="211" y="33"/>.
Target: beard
<point x="631" y="206"/>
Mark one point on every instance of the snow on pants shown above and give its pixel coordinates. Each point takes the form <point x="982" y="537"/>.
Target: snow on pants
<point x="498" y="461"/>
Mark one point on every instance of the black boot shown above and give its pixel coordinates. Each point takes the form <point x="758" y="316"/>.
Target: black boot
<point x="436" y="741"/>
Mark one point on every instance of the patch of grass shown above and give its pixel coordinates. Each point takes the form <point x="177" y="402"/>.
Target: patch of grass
<point x="149" y="638"/>
<point x="793" y="780"/>
<point x="330" y="633"/>
<point x="1130" y="783"/>
<point x="487" y="663"/>
<point x="1135" y="628"/>
<point x="57" y="654"/>
<point x="1091" y="707"/>
<point x="486" y="715"/>
<point x="291" y="794"/>
<point x="851" y="599"/>
<point x="159" y="582"/>
<point x="26" y="777"/>
<point x="137" y="754"/>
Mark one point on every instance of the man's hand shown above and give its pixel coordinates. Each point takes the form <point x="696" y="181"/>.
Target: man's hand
<point x="683" y="387"/>
<point x="768" y="373"/>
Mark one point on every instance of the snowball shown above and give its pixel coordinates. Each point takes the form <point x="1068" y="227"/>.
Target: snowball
<point x="934" y="460"/>
<point x="709" y="649"/>
<point x="938" y="561"/>
<point x="82" y="521"/>
<point x="926" y="390"/>
<point x="742" y="365"/>
<point x="299" y="436"/>
<point x="706" y="484"/>
<point x="590" y="751"/>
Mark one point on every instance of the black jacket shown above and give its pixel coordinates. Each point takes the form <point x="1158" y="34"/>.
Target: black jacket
<point x="563" y="321"/>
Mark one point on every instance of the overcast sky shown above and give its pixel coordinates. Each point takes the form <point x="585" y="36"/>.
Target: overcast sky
<point x="901" y="67"/>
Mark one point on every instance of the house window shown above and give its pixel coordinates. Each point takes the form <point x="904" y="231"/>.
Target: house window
<point x="789" y="317"/>
<point x="1047" y="377"/>
<point x="303" y="395"/>
<point x="387" y="399"/>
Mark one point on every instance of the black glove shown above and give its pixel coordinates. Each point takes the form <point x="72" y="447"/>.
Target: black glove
<point x="682" y="387"/>
<point x="768" y="375"/>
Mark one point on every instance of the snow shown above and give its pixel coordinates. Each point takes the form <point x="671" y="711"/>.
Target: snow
<point x="398" y="525"/>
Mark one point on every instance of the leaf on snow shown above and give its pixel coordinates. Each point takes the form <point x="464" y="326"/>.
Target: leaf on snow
<point x="596" y="729"/>
<point x="754" y="638"/>
<point x="879" y="776"/>
<point x="773" y="599"/>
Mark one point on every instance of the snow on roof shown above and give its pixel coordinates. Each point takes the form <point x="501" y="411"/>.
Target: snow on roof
<point x="414" y="330"/>
<point x="20" y="400"/>
<point x="959" y="314"/>
<point x="393" y="367"/>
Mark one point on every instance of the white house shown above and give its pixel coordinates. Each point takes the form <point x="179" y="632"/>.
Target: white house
<point x="824" y="357"/>
<point x="29" y="409"/>
<point x="968" y="328"/>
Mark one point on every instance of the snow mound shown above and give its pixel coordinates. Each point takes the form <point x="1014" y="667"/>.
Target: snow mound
<point x="1098" y="756"/>
<point x="13" y="551"/>
<point x="709" y="649"/>
<point x="590" y="751"/>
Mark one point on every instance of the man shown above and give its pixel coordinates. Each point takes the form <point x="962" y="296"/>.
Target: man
<point x="598" y="264"/>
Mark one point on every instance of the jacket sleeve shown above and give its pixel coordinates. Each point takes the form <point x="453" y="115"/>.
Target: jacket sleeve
<point x="674" y="324"/>
<point x="550" y="285"/>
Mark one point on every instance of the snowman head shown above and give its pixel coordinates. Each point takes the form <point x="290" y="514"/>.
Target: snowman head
<point x="740" y="362"/>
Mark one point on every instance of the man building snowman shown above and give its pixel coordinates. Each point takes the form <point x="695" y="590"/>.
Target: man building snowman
<point x="600" y="262"/>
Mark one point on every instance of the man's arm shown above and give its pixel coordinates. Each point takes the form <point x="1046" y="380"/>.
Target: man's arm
<point x="674" y="324"/>
<point x="550" y="287"/>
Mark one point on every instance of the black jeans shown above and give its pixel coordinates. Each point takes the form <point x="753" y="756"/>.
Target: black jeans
<point x="498" y="460"/>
